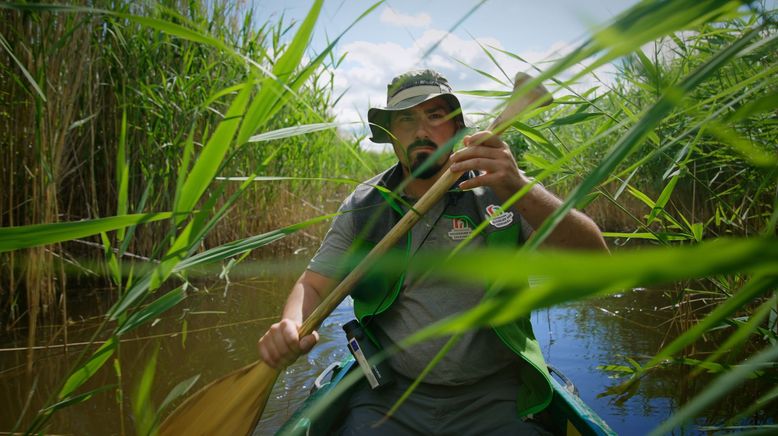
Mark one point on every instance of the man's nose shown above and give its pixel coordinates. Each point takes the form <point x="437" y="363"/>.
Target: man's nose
<point x="422" y="128"/>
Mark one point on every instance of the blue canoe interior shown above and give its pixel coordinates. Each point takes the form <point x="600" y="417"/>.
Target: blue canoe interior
<point x="323" y="410"/>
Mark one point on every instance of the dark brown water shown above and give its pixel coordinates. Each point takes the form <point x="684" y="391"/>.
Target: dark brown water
<point x="215" y="331"/>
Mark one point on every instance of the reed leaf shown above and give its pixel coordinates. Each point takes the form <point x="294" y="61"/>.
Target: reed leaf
<point x="26" y="73"/>
<point x="723" y="384"/>
<point x="34" y="235"/>
<point x="534" y="135"/>
<point x="637" y="133"/>
<point x="566" y="280"/>
<point x="151" y="311"/>
<point x="178" y="391"/>
<point x="88" y="369"/>
<point x="242" y="246"/>
<point x="569" y="120"/>
<point x="273" y="88"/>
<point x="288" y="132"/>
<point x="76" y="399"/>
<point x="757" y="286"/>
<point x="142" y="408"/>
<point x="122" y="175"/>
<point x="660" y="236"/>
<point x="760" y="403"/>
<point x="661" y="202"/>
<point x="753" y="154"/>
<point x="744" y="330"/>
<point x="210" y="159"/>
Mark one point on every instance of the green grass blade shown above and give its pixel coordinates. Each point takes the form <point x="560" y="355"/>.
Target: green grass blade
<point x="296" y="50"/>
<point x="766" y="103"/>
<point x="645" y="235"/>
<point x="757" y="405"/>
<point x="753" y="289"/>
<point x="16" y="238"/>
<point x="244" y="245"/>
<point x="183" y="167"/>
<point x="637" y="133"/>
<point x="76" y="399"/>
<point x="273" y="88"/>
<point x="539" y="139"/>
<point x="211" y="157"/>
<point x="661" y="202"/>
<point x="152" y="311"/>
<point x="87" y="370"/>
<point x="26" y="73"/>
<point x="122" y="175"/>
<point x="571" y="276"/>
<point x="754" y="155"/>
<point x="288" y="132"/>
<point x="572" y="119"/>
<point x="142" y="408"/>
<point x="173" y="29"/>
<point x="745" y="330"/>
<point x="649" y="21"/>
<point x="178" y="390"/>
<point x="723" y="384"/>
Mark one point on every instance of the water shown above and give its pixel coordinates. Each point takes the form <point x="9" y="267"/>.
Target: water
<point x="220" y="335"/>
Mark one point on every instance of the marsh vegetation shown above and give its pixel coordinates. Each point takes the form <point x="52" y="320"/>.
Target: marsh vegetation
<point x="149" y="148"/>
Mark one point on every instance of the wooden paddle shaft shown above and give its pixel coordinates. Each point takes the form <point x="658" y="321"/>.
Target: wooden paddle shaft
<point x="538" y="96"/>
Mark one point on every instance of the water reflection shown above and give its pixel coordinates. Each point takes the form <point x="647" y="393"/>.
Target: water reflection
<point x="212" y="334"/>
<point x="575" y="338"/>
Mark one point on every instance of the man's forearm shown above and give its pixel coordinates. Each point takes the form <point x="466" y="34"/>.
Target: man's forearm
<point x="306" y="294"/>
<point x="302" y="300"/>
<point x="575" y="231"/>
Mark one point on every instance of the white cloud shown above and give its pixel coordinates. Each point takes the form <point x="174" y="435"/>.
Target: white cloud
<point x="370" y="66"/>
<point x="391" y="17"/>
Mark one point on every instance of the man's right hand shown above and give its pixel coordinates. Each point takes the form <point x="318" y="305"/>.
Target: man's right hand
<point x="281" y="345"/>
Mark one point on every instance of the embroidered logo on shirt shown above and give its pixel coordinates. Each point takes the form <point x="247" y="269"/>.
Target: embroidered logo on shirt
<point x="459" y="230"/>
<point x="498" y="217"/>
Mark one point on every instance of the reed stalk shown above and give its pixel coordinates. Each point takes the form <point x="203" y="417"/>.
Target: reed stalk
<point x="131" y="129"/>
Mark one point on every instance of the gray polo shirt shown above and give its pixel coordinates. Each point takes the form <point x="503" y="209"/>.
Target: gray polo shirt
<point x="425" y="300"/>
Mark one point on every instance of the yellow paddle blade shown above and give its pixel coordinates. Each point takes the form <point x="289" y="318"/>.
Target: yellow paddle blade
<point x="230" y="405"/>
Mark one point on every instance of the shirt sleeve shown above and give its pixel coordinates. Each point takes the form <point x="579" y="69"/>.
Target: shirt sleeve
<point x="328" y="259"/>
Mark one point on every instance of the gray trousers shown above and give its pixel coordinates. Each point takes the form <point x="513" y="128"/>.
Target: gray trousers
<point x="487" y="407"/>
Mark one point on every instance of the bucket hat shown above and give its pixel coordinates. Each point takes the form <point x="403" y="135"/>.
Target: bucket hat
<point x="406" y="91"/>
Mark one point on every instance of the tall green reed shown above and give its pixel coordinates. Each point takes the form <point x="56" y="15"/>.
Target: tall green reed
<point x="597" y="144"/>
<point x="183" y="104"/>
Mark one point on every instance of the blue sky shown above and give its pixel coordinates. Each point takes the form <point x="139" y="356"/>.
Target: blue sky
<point x="393" y="38"/>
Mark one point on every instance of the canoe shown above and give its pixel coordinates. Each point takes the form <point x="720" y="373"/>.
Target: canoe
<point x="323" y="409"/>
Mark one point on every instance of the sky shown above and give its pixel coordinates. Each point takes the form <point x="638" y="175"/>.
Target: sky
<point x="395" y="37"/>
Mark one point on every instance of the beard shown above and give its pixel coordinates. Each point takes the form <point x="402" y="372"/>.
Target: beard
<point x="422" y="167"/>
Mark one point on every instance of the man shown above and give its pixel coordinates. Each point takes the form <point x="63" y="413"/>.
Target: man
<point x="491" y="378"/>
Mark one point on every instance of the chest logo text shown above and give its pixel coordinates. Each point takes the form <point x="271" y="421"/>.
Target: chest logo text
<point x="460" y="230"/>
<point x="498" y="217"/>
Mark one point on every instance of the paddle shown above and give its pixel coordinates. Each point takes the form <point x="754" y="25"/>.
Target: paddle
<point x="233" y="404"/>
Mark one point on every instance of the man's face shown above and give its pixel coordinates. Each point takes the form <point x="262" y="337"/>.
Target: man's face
<point x="419" y="132"/>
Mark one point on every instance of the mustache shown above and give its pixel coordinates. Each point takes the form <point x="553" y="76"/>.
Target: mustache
<point x="422" y="143"/>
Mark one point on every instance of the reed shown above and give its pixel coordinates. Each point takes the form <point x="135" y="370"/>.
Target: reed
<point x="68" y="81"/>
<point x="161" y="130"/>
